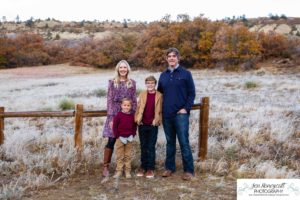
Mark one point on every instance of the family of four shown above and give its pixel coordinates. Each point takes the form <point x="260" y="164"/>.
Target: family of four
<point x="169" y="105"/>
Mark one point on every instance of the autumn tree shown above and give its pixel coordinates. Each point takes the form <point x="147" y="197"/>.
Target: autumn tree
<point x="106" y="52"/>
<point x="185" y="35"/>
<point x="7" y="47"/>
<point x="274" y="45"/>
<point x="235" y="44"/>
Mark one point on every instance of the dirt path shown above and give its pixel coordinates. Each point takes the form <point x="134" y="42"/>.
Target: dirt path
<point x="93" y="186"/>
<point x="60" y="70"/>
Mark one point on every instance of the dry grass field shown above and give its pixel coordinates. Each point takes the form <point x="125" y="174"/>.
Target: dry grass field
<point x="254" y="132"/>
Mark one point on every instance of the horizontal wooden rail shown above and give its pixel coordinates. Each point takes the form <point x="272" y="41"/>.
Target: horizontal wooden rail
<point x="79" y="114"/>
<point x="87" y="113"/>
<point x="38" y="114"/>
<point x="97" y="113"/>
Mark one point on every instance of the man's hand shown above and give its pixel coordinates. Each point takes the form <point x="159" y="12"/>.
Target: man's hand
<point x="182" y="111"/>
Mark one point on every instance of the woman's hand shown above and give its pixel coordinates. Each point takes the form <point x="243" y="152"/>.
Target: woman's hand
<point x="111" y="124"/>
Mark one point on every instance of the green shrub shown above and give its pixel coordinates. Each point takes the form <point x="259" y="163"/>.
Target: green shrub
<point x="3" y="60"/>
<point x="251" y="85"/>
<point x="66" y="104"/>
<point x="100" y="92"/>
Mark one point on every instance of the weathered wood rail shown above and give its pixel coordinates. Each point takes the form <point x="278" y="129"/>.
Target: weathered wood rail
<point x="79" y="114"/>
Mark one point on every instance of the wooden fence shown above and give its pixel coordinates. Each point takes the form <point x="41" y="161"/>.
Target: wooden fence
<point x="79" y="114"/>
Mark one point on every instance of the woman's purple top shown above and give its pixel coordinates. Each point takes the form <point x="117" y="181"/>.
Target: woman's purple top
<point x="114" y="97"/>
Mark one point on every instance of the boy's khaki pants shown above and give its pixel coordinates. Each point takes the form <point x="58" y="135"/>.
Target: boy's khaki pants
<point x="124" y="154"/>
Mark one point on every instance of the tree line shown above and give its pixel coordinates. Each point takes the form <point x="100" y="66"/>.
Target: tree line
<point x="203" y="44"/>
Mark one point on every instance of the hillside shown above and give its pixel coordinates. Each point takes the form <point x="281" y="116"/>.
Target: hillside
<point x="52" y="29"/>
<point x="290" y="26"/>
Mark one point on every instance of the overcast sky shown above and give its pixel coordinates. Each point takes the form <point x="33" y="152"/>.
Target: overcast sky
<point x="141" y="10"/>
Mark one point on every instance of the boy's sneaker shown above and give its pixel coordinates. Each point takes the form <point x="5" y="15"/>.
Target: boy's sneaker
<point x="117" y="174"/>
<point x="127" y="175"/>
<point x="140" y="173"/>
<point x="150" y="174"/>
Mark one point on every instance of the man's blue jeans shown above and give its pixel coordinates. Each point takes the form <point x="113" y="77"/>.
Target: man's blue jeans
<point x="178" y="126"/>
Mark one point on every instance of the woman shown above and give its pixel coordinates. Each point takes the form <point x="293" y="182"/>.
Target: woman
<point x="118" y="88"/>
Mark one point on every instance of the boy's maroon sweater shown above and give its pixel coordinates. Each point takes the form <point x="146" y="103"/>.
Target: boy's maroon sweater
<point x="124" y="125"/>
<point x="149" y="111"/>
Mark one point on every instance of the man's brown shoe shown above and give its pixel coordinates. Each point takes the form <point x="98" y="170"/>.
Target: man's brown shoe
<point x="167" y="173"/>
<point x="187" y="176"/>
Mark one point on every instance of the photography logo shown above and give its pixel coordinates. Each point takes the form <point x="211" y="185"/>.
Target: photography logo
<point x="281" y="189"/>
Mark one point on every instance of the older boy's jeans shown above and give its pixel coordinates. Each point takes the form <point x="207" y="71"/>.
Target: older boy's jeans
<point x="178" y="126"/>
<point x="148" y="138"/>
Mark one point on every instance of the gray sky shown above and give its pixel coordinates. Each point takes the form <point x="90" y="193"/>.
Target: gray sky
<point x="141" y="10"/>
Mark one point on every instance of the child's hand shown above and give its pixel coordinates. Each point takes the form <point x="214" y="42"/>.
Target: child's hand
<point x="155" y="123"/>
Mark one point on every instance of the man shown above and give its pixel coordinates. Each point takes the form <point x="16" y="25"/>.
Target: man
<point x="178" y="89"/>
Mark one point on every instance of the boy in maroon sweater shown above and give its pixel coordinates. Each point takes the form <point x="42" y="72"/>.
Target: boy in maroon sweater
<point x="124" y="129"/>
<point x="148" y="117"/>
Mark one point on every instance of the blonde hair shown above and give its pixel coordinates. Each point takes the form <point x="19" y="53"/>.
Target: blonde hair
<point x="117" y="76"/>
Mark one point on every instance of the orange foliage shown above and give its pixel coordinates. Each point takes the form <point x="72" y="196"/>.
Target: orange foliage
<point x="159" y="36"/>
<point x="29" y="50"/>
<point x="59" y="51"/>
<point x="104" y="53"/>
<point x="274" y="45"/>
<point x="235" y="45"/>
<point x="200" y="42"/>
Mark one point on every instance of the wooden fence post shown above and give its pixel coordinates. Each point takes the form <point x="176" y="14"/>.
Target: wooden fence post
<point x="78" y="126"/>
<point x="203" y="128"/>
<point x="1" y="126"/>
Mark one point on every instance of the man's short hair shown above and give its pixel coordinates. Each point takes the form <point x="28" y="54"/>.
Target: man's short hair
<point x="151" y="78"/>
<point x="173" y="50"/>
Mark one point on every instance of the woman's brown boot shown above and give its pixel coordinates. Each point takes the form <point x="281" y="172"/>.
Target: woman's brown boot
<point x="106" y="161"/>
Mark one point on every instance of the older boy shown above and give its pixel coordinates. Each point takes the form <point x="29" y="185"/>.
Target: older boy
<point x="148" y="117"/>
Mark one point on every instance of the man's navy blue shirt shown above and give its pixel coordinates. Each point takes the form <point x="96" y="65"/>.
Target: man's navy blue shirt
<point x="178" y="91"/>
